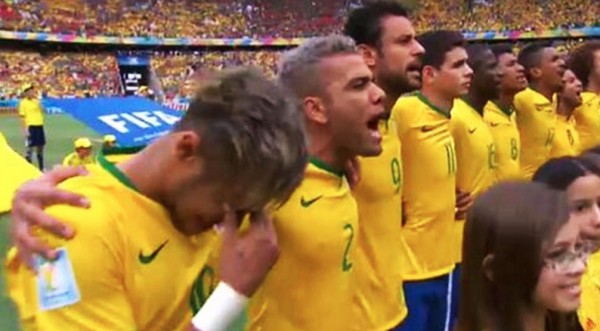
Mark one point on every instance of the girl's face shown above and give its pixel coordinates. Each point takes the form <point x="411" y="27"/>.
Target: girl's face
<point x="564" y="262"/>
<point x="584" y="197"/>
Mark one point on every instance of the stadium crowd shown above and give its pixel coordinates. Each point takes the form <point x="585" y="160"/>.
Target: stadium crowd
<point x="88" y="74"/>
<point x="58" y="74"/>
<point x="269" y="18"/>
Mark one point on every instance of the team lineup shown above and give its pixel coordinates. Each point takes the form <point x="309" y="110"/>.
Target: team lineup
<point x="384" y="181"/>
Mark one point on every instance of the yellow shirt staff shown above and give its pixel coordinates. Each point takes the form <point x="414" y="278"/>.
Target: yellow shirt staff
<point x="82" y="155"/>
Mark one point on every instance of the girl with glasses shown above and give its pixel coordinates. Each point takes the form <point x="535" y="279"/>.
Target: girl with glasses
<point x="522" y="260"/>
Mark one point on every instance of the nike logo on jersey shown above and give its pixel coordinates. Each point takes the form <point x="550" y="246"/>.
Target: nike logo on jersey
<point x="146" y="259"/>
<point x="472" y="130"/>
<point x="307" y="203"/>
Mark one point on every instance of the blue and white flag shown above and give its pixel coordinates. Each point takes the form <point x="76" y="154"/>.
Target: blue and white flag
<point x="135" y="121"/>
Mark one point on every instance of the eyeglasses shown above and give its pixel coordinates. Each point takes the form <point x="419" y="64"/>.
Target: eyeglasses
<point x="564" y="261"/>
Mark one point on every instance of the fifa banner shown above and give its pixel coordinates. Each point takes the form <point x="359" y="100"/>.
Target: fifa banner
<point x="135" y="121"/>
<point x="135" y="72"/>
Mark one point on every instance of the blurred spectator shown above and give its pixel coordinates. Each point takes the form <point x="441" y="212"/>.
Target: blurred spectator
<point x="86" y="74"/>
<point x="276" y="18"/>
<point x="59" y="74"/>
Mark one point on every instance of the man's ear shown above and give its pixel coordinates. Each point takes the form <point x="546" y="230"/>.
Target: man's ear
<point x="428" y="72"/>
<point x="535" y="72"/>
<point x="368" y="53"/>
<point x="314" y="110"/>
<point x="488" y="267"/>
<point x="187" y="144"/>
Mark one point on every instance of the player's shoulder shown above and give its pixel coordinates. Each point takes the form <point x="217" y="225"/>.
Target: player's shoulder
<point x="99" y="189"/>
<point x="97" y="181"/>
<point x="408" y="99"/>
<point x="460" y="110"/>
<point x="490" y="110"/>
<point x="408" y="108"/>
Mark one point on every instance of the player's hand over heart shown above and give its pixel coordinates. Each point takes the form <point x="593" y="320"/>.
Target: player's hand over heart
<point x="28" y="211"/>
<point x="247" y="258"/>
<point x="464" y="201"/>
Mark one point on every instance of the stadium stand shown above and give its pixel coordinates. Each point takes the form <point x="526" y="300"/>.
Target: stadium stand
<point x="90" y="74"/>
<point x="271" y="18"/>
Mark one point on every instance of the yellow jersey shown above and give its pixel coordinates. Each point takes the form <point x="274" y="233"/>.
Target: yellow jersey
<point x="429" y="161"/>
<point x="589" y="311"/>
<point x="587" y="119"/>
<point x="379" y="296"/>
<point x="32" y="112"/>
<point x="503" y="126"/>
<point x="14" y="171"/>
<point x="536" y="120"/>
<point x="475" y="157"/>
<point x="111" y="275"/>
<point x="73" y="159"/>
<point x="310" y="286"/>
<point x="566" y="138"/>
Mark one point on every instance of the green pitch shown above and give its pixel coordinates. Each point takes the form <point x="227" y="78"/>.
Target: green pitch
<point x="61" y="131"/>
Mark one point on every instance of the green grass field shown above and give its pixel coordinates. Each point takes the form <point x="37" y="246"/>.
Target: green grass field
<point x="61" y="130"/>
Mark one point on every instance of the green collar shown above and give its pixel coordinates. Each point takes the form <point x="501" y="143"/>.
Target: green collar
<point x="326" y="167"/>
<point x="508" y="111"/>
<point x="432" y="106"/>
<point x="113" y="169"/>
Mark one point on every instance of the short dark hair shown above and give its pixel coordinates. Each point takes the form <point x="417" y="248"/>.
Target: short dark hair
<point x="437" y="44"/>
<point x="561" y="172"/>
<point x="500" y="49"/>
<point x="364" y="23"/>
<point x="530" y="56"/>
<point x="476" y="52"/>
<point x="249" y="126"/>
<point x="581" y="60"/>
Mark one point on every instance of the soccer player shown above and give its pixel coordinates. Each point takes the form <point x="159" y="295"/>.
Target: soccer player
<point x="311" y="286"/>
<point x="474" y="142"/>
<point x="536" y="111"/>
<point x="584" y="61"/>
<point x="82" y="155"/>
<point x="32" y="113"/>
<point x="566" y="139"/>
<point x="143" y="229"/>
<point x="386" y="39"/>
<point x="429" y="160"/>
<point x="500" y="115"/>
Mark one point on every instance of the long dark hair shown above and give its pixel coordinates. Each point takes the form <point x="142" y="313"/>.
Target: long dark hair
<point x="509" y="223"/>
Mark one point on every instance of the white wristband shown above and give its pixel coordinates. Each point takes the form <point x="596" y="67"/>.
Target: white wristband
<point x="221" y="309"/>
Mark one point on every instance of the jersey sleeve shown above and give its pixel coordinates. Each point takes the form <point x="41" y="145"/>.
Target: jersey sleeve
<point x="96" y="255"/>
